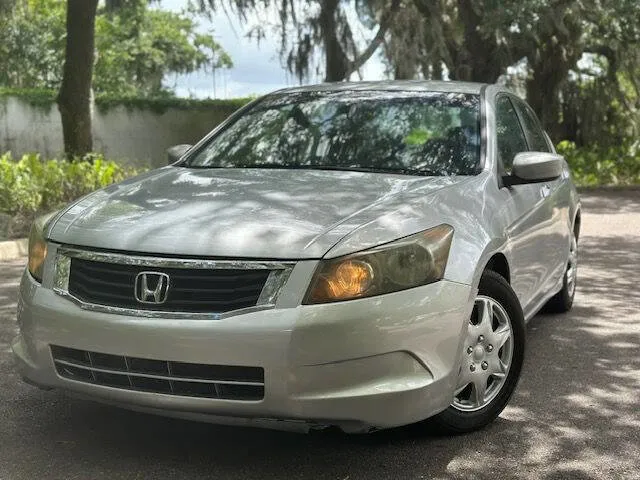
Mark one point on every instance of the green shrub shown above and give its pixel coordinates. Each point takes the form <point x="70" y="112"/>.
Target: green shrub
<point x="31" y="186"/>
<point x="596" y="166"/>
<point x="105" y="101"/>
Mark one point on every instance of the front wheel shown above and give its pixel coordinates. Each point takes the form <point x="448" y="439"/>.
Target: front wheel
<point x="491" y="358"/>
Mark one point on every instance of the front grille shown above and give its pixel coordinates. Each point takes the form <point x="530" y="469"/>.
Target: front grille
<point x="190" y="289"/>
<point x="159" y="376"/>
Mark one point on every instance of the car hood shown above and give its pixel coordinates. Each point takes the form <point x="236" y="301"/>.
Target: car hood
<point x="236" y="213"/>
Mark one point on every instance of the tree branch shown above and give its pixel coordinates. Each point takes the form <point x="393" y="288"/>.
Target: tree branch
<point x="385" y="23"/>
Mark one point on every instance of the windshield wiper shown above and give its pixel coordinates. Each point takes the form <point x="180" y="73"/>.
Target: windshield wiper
<point x="276" y="166"/>
<point x="399" y="171"/>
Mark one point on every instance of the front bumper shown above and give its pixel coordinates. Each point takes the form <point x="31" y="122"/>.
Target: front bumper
<point x="371" y="363"/>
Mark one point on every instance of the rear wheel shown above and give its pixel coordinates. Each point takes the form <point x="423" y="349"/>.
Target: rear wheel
<point x="563" y="300"/>
<point x="491" y="358"/>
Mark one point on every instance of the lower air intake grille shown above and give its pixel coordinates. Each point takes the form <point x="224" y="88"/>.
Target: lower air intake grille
<point x="159" y="376"/>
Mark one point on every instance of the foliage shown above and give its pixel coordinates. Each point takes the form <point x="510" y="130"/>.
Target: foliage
<point x="597" y="166"/>
<point x="33" y="96"/>
<point x="5" y="5"/>
<point x="137" y="47"/>
<point x="31" y="185"/>
<point x="543" y="45"/>
<point x="162" y="103"/>
<point x="32" y="37"/>
<point x="105" y="101"/>
<point x="309" y="31"/>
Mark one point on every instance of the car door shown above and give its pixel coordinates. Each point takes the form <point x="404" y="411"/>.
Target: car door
<point x="554" y="203"/>
<point x="524" y="209"/>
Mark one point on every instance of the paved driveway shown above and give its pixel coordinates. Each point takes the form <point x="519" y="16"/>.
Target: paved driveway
<point x="576" y="413"/>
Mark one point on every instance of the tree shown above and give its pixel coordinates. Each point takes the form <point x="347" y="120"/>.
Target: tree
<point x="137" y="47"/>
<point x="566" y="31"/>
<point x="74" y="98"/>
<point x="600" y="102"/>
<point x="32" y="36"/>
<point x="478" y="40"/>
<point x="6" y="5"/>
<point x="307" y="29"/>
<point x="469" y="39"/>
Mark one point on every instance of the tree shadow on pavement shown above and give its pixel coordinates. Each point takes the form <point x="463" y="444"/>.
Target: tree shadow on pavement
<point x="603" y="201"/>
<point x="574" y="415"/>
<point x="9" y="280"/>
<point x="576" y="412"/>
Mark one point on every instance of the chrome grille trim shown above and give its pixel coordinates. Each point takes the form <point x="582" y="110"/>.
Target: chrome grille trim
<point x="169" y="262"/>
<point x="280" y="272"/>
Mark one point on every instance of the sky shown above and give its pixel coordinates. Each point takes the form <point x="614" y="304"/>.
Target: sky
<point x="257" y="68"/>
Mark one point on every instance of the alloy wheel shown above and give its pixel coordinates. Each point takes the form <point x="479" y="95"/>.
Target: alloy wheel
<point x="486" y="356"/>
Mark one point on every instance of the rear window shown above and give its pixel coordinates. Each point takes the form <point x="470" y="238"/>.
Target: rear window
<point x="537" y="138"/>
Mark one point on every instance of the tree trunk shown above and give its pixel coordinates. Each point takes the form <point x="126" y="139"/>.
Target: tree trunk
<point x="403" y="71"/>
<point x="74" y="98"/>
<point x="336" y="62"/>
<point x="477" y="60"/>
<point x="543" y="95"/>
<point x="550" y="69"/>
<point x="436" y="70"/>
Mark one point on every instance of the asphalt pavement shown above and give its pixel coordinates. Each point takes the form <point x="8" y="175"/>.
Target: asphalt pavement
<point x="575" y="414"/>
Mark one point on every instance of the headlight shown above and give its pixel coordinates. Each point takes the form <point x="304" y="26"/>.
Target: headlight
<point x="38" y="246"/>
<point x="410" y="262"/>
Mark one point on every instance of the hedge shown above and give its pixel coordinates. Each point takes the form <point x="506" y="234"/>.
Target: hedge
<point x="31" y="186"/>
<point x="104" y="102"/>
<point x="594" y="166"/>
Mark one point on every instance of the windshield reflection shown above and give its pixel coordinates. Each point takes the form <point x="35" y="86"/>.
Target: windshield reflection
<point x="420" y="133"/>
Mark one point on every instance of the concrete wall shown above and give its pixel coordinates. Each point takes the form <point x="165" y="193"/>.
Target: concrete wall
<point x="136" y="136"/>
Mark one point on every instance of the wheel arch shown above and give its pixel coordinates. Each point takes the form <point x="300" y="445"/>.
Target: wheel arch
<point x="577" y="223"/>
<point x="495" y="257"/>
<point x="499" y="264"/>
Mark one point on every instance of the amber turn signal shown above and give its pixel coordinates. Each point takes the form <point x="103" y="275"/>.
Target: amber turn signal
<point x="349" y="279"/>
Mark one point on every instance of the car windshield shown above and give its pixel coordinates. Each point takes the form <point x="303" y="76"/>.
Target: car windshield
<point x="417" y="133"/>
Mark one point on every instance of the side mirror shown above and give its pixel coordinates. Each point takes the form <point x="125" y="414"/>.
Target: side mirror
<point x="533" y="167"/>
<point x="176" y="152"/>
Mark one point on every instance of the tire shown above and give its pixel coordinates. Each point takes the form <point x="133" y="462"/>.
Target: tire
<point x="470" y="410"/>
<point x="562" y="301"/>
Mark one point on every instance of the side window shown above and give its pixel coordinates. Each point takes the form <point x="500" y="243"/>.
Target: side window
<point x="535" y="134"/>
<point x="509" y="133"/>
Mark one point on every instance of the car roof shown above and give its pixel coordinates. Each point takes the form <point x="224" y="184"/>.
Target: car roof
<point x="392" y="85"/>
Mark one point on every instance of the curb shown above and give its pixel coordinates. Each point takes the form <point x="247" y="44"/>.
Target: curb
<point x="14" y="249"/>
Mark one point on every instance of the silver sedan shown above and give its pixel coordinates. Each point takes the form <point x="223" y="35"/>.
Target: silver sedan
<point x="360" y="255"/>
